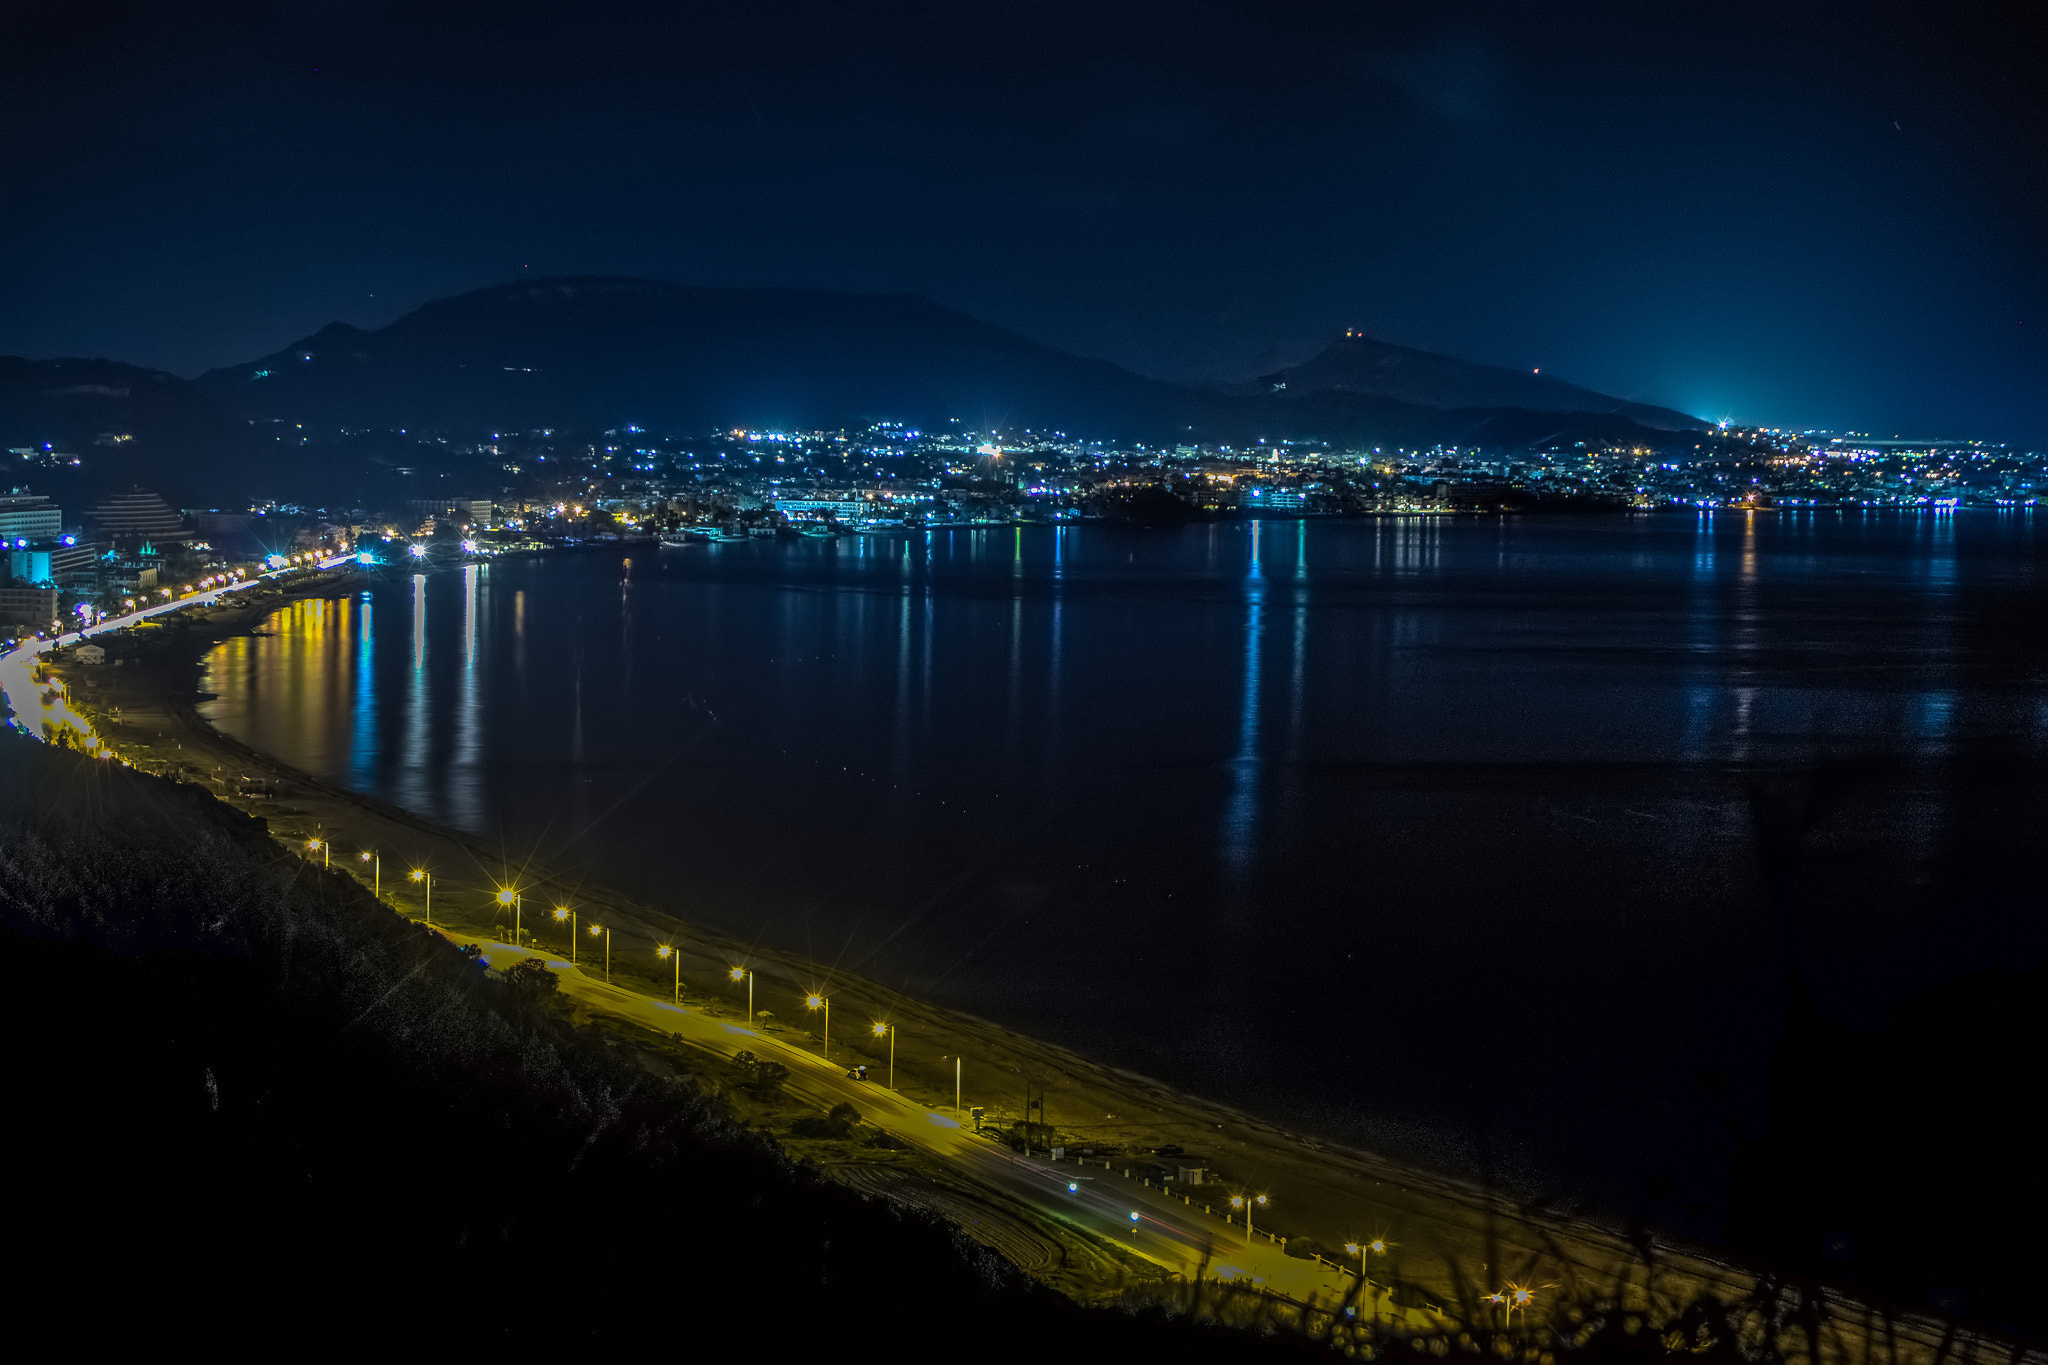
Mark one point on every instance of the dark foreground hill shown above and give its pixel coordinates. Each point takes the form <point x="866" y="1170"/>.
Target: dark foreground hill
<point x="595" y="353"/>
<point x="248" y="1103"/>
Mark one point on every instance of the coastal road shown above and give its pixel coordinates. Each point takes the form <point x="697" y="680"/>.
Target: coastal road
<point x="17" y="667"/>
<point x="1170" y="1230"/>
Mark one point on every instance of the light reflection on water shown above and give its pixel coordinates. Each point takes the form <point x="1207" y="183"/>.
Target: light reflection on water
<point x="1224" y="802"/>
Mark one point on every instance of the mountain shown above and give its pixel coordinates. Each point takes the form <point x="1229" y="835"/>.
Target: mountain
<point x="592" y="353"/>
<point x="1357" y="364"/>
<point x="123" y="425"/>
<point x="595" y="353"/>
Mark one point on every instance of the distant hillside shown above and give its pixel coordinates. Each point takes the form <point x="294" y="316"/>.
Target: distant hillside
<point x="1357" y="364"/>
<point x="582" y="353"/>
<point x="125" y="425"/>
<point x="593" y="353"/>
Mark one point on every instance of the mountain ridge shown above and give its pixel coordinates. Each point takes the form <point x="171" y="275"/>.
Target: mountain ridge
<point x="1357" y="363"/>
<point x="602" y="351"/>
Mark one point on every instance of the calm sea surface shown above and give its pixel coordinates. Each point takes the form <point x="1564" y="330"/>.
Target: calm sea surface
<point x="1497" y="842"/>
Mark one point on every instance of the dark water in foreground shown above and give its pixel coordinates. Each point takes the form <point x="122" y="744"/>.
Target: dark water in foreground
<point x="1438" y="835"/>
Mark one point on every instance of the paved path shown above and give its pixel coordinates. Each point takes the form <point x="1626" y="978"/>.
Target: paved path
<point x="1172" y="1233"/>
<point x="17" y="667"/>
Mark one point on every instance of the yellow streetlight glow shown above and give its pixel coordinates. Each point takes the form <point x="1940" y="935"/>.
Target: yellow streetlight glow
<point x="823" y="1002"/>
<point x="888" y="1031"/>
<point x="1247" y="1203"/>
<point x="420" y="874"/>
<point x="513" y="897"/>
<point x="595" y="931"/>
<point x="665" y="950"/>
<point x="564" y="912"/>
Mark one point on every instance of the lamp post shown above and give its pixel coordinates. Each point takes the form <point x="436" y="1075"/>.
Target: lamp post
<point x="564" y="912"/>
<point x="824" y="1002"/>
<point x="595" y="930"/>
<point x="420" y="874"/>
<point x="746" y="975"/>
<point x="1376" y="1247"/>
<point x="1246" y="1202"/>
<point x="376" y="861"/>
<point x="514" y="899"/>
<point x="668" y="950"/>
<point x="889" y="1031"/>
<point x="319" y="845"/>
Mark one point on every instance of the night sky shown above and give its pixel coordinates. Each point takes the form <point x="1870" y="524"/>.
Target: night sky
<point x="1832" y="216"/>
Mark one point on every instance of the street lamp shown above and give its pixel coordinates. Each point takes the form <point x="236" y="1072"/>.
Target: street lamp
<point x="746" y="974"/>
<point x="822" y="1002"/>
<point x="564" y="912"/>
<point x="668" y="950"/>
<point x="376" y="861"/>
<point x="595" y="930"/>
<point x="319" y="845"/>
<point x="513" y="898"/>
<point x="1246" y="1202"/>
<point x="420" y="874"/>
<point x="889" y="1031"/>
<point x="1376" y="1247"/>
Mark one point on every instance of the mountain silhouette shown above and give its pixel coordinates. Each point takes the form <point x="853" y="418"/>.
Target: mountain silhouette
<point x="595" y="353"/>
<point x="1357" y="364"/>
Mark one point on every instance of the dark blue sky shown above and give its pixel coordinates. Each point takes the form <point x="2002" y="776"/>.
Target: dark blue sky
<point x="1836" y="217"/>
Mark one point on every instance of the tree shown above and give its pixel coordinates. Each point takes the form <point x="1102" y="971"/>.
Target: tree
<point x="532" y="979"/>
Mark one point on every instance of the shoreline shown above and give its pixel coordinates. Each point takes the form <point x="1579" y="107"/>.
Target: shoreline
<point x="1461" y="1234"/>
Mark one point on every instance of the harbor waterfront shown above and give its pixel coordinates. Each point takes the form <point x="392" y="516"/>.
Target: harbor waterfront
<point x="1432" y="836"/>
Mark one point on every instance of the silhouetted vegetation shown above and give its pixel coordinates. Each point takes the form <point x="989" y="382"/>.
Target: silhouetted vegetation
<point x="249" y="1102"/>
